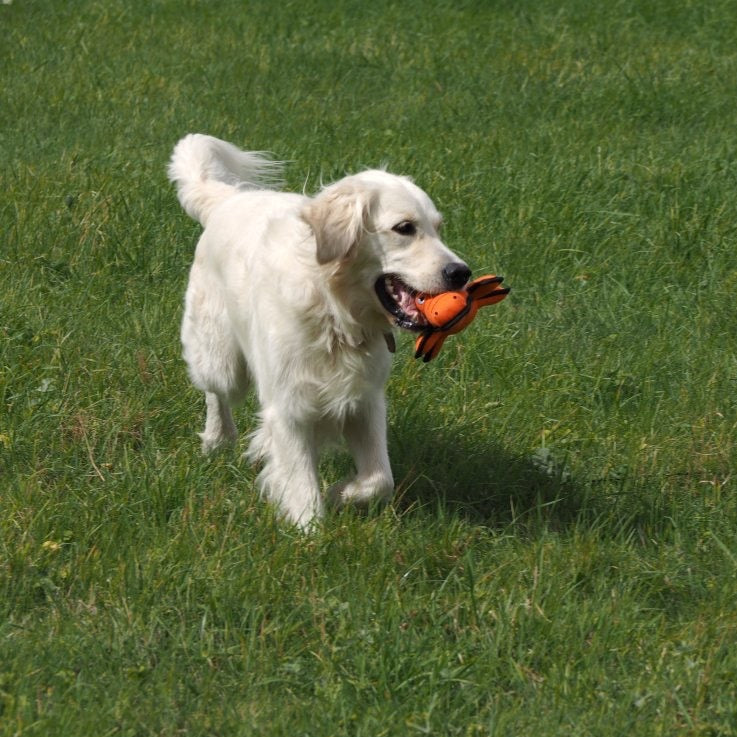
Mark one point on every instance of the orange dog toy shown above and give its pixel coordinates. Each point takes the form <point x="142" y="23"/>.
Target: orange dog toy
<point x="450" y="312"/>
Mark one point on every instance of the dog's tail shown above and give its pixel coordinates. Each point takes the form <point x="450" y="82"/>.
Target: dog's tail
<point x="207" y="171"/>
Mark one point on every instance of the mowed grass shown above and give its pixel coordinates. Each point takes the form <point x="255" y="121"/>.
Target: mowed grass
<point x="561" y="556"/>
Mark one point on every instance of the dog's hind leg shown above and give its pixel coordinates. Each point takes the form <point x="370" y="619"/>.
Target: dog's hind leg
<point x="215" y="362"/>
<point x="224" y="389"/>
<point x="219" y="424"/>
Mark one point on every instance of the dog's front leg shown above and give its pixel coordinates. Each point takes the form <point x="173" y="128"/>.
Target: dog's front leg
<point x="289" y="477"/>
<point x="365" y="433"/>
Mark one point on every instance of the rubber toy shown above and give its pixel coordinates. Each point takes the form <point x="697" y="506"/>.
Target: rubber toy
<point x="448" y="313"/>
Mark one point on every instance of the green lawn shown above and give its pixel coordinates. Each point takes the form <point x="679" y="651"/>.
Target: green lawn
<point x="561" y="555"/>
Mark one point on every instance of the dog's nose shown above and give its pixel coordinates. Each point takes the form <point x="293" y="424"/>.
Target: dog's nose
<point x="456" y="274"/>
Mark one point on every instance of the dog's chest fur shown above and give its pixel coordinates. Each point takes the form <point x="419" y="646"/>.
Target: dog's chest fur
<point x="339" y="370"/>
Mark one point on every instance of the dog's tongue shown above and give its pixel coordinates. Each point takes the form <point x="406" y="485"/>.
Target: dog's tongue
<point x="407" y="304"/>
<point x="406" y="301"/>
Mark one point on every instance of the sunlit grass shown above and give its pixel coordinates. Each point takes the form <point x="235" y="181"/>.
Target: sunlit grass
<point x="561" y="554"/>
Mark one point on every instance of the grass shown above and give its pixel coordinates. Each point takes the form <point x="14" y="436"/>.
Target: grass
<point x="561" y="556"/>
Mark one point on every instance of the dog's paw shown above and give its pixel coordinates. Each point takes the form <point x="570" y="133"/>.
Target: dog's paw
<point x="360" y="492"/>
<point x="334" y="494"/>
<point x="210" y="443"/>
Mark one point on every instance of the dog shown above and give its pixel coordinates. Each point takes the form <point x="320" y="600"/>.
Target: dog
<point x="296" y="296"/>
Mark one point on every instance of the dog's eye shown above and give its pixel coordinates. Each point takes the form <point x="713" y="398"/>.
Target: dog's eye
<point x="405" y="228"/>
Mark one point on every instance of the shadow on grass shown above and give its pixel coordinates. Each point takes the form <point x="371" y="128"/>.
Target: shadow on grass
<point x="459" y="474"/>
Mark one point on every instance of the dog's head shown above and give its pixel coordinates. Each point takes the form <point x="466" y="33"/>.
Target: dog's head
<point x="383" y="230"/>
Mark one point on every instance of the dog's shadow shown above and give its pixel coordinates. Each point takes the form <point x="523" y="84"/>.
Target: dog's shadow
<point x="457" y="472"/>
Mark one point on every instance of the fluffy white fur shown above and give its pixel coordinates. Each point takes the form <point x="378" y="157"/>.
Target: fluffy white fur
<point x="282" y="297"/>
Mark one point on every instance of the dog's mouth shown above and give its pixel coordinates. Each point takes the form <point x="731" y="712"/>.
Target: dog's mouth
<point x="398" y="299"/>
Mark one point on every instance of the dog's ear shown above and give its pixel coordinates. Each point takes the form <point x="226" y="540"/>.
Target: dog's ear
<point x="338" y="217"/>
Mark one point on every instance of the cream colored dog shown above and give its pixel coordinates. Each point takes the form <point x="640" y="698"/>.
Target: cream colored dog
<point x="296" y="295"/>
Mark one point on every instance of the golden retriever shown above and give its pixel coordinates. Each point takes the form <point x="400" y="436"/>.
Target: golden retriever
<point x="297" y="296"/>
